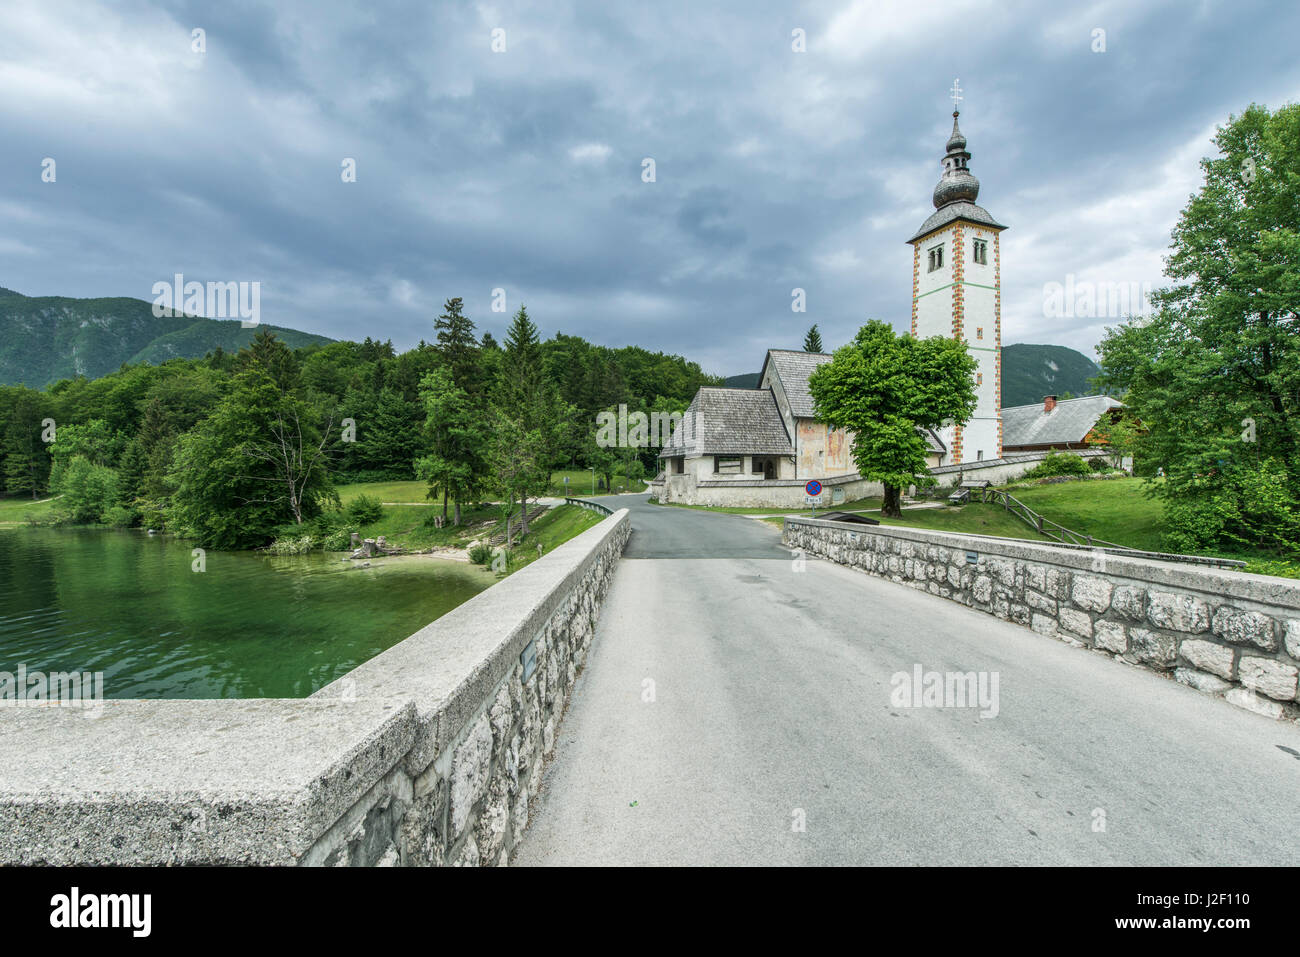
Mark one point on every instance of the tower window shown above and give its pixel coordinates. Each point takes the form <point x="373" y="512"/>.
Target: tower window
<point x="979" y="332"/>
<point x="936" y="258"/>
<point x="979" y="378"/>
<point x="980" y="252"/>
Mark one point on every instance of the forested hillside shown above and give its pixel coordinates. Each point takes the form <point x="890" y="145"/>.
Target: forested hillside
<point x="235" y="447"/>
<point x="48" y="338"/>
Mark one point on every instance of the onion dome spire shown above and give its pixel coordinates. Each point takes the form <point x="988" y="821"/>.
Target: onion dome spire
<point x="957" y="184"/>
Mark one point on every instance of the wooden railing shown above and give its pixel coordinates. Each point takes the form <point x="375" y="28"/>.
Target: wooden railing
<point x="1072" y="539"/>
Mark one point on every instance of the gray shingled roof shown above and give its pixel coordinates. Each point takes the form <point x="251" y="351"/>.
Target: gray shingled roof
<point x="794" y="370"/>
<point x="730" y="422"/>
<point x="1070" y="421"/>
<point x="959" y="210"/>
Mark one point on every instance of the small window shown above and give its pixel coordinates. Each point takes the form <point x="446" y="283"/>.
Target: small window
<point x="979" y="378"/>
<point x="756" y="465"/>
<point x="726" y="464"/>
<point x="979" y="332"/>
<point x="980" y="252"/>
<point x="979" y="456"/>
<point x="936" y="258"/>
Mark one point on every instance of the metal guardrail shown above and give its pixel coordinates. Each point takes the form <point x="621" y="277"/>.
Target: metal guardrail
<point x="587" y="504"/>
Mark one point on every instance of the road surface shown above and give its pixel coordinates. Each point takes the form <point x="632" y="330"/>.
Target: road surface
<point x="736" y="711"/>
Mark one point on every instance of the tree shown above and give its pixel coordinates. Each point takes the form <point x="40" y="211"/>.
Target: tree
<point x="516" y="464"/>
<point x="455" y="466"/>
<point x="458" y="346"/>
<point x="1214" y="373"/>
<point x="884" y="388"/>
<point x="26" y="456"/>
<point x="812" y="342"/>
<point x="257" y="462"/>
<point x="87" y="491"/>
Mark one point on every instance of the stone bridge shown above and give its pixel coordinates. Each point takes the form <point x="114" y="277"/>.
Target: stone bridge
<point x="677" y="686"/>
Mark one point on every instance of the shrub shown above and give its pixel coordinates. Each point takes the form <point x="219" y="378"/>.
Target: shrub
<point x="480" y="553"/>
<point x="1059" y="463"/>
<point x="299" y="545"/>
<point x="364" y="509"/>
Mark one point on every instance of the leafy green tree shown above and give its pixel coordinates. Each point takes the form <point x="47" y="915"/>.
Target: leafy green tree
<point x="456" y="429"/>
<point x="88" y="491"/>
<point x="1214" y="374"/>
<point x="882" y="388"/>
<point x="812" y="342"/>
<point x="257" y="462"/>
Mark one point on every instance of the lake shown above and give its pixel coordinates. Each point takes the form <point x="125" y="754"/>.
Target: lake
<point x="250" y="626"/>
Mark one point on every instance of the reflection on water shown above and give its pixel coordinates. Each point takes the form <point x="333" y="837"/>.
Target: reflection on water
<point x="250" y="626"/>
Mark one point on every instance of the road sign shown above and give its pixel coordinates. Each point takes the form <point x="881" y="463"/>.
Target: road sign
<point x="813" y="488"/>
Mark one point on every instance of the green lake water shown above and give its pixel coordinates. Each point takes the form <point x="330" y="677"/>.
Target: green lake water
<point x="250" y="626"/>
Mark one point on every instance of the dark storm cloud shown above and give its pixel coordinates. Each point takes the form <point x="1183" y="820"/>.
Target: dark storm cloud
<point x="523" y="169"/>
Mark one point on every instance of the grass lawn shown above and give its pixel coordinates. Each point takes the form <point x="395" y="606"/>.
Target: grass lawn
<point x="18" y="511"/>
<point x="1114" y="510"/>
<point x="580" y="484"/>
<point x="413" y="491"/>
<point x="978" y="519"/>
<point x="551" y="530"/>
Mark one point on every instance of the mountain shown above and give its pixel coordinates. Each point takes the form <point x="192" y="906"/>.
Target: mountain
<point x="1029" y="372"/>
<point x="47" y="338"/>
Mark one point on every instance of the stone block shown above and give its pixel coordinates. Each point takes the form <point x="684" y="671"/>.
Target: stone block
<point x="1091" y="592"/>
<point x="1075" y="622"/>
<point x="1292" y="642"/>
<point x="1177" y="612"/>
<point x="469" y="773"/>
<point x="1249" y="700"/>
<point x="1152" y="648"/>
<point x="1245" y="628"/>
<point x="1201" y="681"/>
<point x="1109" y="636"/>
<point x="1044" y="625"/>
<point x="1268" y="676"/>
<point x="1129" y="601"/>
<point x="1207" y="656"/>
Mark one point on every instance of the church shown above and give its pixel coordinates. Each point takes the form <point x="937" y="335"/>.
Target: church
<point x="758" y="447"/>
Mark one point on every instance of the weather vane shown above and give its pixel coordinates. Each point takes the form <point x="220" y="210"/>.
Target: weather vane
<point x="956" y="93"/>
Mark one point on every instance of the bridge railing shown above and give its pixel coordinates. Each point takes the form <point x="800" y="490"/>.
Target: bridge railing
<point x="588" y="504"/>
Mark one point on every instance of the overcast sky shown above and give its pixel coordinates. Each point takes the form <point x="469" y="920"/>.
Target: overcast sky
<point x="522" y="169"/>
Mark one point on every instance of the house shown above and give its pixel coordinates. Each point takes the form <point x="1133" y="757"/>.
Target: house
<point x="760" y="446"/>
<point x="1055" y="424"/>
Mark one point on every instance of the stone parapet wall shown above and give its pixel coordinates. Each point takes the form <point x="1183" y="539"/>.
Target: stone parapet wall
<point x="1221" y="632"/>
<point x="427" y="754"/>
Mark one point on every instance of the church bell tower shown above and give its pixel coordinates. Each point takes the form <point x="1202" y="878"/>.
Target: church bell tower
<point x="957" y="292"/>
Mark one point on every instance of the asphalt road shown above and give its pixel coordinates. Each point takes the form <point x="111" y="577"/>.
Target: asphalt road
<point x="771" y="709"/>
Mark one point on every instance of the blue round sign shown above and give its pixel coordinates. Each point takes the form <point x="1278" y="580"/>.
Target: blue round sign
<point x="813" y="488"/>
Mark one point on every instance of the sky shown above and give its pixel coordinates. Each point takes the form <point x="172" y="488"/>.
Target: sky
<point x="503" y="146"/>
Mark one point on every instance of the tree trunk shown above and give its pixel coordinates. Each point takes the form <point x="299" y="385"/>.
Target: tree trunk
<point x="444" y="504"/>
<point x="457" y="519"/>
<point x="891" y="507"/>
